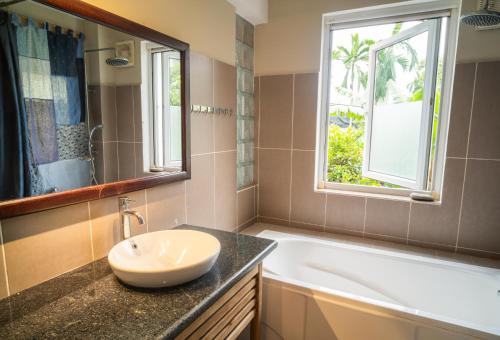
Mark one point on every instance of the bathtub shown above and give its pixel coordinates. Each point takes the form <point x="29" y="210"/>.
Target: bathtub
<point x="326" y="289"/>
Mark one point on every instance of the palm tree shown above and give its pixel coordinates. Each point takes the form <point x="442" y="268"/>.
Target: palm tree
<point x="351" y="57"/>
<point x="387" y="60"/>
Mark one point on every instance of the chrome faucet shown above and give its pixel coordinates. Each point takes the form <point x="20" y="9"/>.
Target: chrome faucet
<point x="125" y="214"/>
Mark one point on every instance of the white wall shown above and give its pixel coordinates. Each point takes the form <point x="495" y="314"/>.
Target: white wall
<point x="290" y="42"/>
<point x="207" y="25"/>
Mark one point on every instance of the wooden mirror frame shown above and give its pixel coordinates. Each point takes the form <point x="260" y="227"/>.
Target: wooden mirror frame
<point x="99" y="16"/>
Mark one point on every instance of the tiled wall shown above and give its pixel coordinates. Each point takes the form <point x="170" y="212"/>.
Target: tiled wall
<point x="39" y="246"/>
<point x="119" y="145"/>
<point x="468" y="220"/>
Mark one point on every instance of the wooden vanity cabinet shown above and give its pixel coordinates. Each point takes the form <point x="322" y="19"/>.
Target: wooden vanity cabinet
<point x="239" y="307"/>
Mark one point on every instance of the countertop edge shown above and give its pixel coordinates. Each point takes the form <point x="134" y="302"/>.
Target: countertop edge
<point x="177" y="328"/>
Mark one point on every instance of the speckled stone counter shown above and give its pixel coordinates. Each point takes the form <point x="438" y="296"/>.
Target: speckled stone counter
<point x="91" y="303"/>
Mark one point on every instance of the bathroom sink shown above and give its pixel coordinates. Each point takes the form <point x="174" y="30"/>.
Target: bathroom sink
<point x="164" y="258"/>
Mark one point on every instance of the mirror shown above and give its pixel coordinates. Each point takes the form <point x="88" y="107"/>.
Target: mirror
<point x="100" y="104"/>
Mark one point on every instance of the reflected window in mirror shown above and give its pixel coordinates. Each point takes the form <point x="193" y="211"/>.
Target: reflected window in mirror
<point x="165" y="123"/>
<point x="84" y="104"/>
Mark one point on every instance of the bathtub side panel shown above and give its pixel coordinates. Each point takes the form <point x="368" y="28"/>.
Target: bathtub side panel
<point x="328" y="320"/>
<point x="283" y="312"/>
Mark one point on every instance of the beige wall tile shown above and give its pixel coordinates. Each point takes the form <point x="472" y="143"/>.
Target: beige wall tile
<point x="166" y="206"/>
<point x="201" y="79"/>
<point x="125" y="113"/>
<point x="256" y="165"/>
<point x="126" y="160"/>
<point x="94" y="109"/>
<point x="276" y="111"/>
<point x="256" y="109"/>
<point x="439" y="223"/>
<point x="225" y="190"/>
<point x="479" y="226"/>
<point x="46" y="244"/>
<point x="139" y="204"/>
<point x="202" y="93"/>
<point x="274" y="183"/>
<point x="387" y="217"/>
<point x="307" y="206"/>
<point x="202" y="134"/>
<point x="105" y="225"/>
<point x="139" y="165"/>
<point x="461" y="109"/>
<point x="224" y="97"/>
<point x="304" y="113"/>
<point x="108" y="113"/>
<point x="3" y="277"/>
<point x="110" y="152"/>
<point x="200" y="191"/>
<point x="138" y="119"/>
<point x="345" y="212"/>
<point x="98" y="153"/>
<point x="246" y="205"/>
<point x="485" y="124"/>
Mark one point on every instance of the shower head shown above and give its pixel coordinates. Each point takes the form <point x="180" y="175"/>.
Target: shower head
<point x="487" y="15"/>
<point x="113" y="61"/>
<point x="117" y="61"/>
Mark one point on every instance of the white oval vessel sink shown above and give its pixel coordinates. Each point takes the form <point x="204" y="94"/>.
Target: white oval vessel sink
<point x="164" y="258"/>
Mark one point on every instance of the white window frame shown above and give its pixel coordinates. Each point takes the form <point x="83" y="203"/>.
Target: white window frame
<point x="150" y="160"/>
<point x="406" y="10"/>
<point x="433" y="29"/>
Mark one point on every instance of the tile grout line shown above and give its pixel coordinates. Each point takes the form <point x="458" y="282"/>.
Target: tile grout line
<point x="147" y="209"/>
<point x="91" y="234"/>
<point x="480" y="250"/>
<point x="210" y="153"/>
<point x="133" y="125"/>
<point x="257" y="210"/>
<point x="212" y="119"/>
<point x="287" y="149"/>
<point x="409" y="219"/>
<point x="291" y="152"/>
<point x="117" y="143"/>
<point x="185" y="202"/>
<point x="4" y="260"/>
<point x="364" y="217"/>
<point x="326" y="204"/>
<point x="466" y="155"/>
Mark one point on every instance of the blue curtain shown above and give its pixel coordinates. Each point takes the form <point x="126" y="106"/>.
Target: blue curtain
<point x="50" y="84"/>
<point x="17" y="169"/>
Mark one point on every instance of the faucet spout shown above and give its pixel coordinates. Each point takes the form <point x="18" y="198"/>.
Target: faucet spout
<point x="139" y="217"/>
<point x="125" y="214"/>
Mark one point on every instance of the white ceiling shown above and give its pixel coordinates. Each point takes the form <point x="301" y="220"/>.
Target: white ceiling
<point x="255" y="11"/>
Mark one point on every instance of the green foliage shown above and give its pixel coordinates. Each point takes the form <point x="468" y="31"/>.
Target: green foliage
<point x="345" y="156"/>
<point x="175" y="82"/>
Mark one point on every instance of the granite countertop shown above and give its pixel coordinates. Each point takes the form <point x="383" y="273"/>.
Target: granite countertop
<point x="90" y="302"/>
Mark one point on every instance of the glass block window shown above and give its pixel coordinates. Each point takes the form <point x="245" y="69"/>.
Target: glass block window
<point x="245" y="110"/>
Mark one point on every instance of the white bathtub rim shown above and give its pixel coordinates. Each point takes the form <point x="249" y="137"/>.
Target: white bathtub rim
<point x="441" y="321"/>
<point x="276" y="235"/>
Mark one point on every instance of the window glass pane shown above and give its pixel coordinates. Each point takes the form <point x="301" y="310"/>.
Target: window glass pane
<point x="348" y="99"/>
<point x="397" y="110"/>
<point x="175" y="109"/>
<point x="157" y="109"/>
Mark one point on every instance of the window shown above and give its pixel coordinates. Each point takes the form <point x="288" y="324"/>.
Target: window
<point x="385" y="91"/>
<point x="165" y="110"/>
